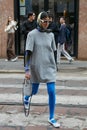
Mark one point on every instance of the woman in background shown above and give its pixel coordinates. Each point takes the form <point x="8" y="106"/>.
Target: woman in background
<point x="10" y="29"/>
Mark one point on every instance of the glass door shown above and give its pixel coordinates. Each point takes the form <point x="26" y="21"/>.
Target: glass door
<point x="58" y="8"/>
<point x="24" y="7"/>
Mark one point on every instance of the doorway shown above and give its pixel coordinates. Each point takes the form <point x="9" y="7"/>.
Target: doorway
<point x="67" y="8"/>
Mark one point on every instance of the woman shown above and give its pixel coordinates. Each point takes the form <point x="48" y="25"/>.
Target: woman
<point x="40" y="47"/>
<point x="10" y="29"/>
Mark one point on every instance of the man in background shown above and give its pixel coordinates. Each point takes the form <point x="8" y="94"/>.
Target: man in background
<point x="62" y="40"/>
<point x="28" y="26"/>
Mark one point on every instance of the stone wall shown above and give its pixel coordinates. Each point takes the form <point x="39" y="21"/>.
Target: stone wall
<point x="6" y="9"/>
<point x="82" y="36"/>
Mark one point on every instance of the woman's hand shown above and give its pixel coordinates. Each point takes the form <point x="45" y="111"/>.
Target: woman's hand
<point x="27" y="75"/>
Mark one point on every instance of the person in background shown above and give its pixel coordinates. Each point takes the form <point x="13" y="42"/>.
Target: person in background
<point x="10" y="28"/>
<point x="40" y="62"/>
<point x="54" y="27"/>
<point x="28" y="26"/>
<point x="62" y="41"/>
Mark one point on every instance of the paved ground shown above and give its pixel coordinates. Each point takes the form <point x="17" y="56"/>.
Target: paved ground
<point x="71" y="105"/>
<point x="64" y="66"/>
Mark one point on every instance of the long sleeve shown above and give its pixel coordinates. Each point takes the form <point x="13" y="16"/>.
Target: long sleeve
<point x="27" y="60"/>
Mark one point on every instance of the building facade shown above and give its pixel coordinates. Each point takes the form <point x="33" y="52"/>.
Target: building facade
<point x="73" y="10"/>
<point x="6" y="9"/>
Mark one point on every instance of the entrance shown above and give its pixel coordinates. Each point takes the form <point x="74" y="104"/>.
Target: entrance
<point x="67" y="8"/>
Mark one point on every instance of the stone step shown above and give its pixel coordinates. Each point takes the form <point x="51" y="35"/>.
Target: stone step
<point x="59" y="76"/>
<point x="43" y="86"/>
<point x="66" y="95"/>
<point x="9" y="98"/>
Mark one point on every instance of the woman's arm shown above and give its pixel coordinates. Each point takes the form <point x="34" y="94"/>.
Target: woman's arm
<point x="27" y="62"/>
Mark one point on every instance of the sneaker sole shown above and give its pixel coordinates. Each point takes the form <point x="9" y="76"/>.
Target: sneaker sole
<point x="56" y="126"/>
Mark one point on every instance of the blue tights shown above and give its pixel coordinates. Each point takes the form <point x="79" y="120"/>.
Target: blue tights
<point x="51" y="93"/>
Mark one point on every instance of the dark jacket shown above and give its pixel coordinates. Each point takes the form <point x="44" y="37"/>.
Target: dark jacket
<point x="54" y="27"/>
<point x="28" y="26"/>
<point x="62" y="34"/>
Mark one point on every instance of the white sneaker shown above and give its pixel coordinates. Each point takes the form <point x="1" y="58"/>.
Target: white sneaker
<point x="6" y="59"/>
<point x="70" y="61"/>
<point x="14" y="59"/>
<point x="54" y="123"/>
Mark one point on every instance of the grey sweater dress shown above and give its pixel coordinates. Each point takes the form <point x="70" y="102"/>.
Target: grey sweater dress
<point x="42" y="62"/>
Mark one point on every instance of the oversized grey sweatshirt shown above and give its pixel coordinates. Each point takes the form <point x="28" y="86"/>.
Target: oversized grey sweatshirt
<point x="42" y="62"/>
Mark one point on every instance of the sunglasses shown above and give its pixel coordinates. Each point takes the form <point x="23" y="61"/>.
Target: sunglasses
<point x="44" y="21"/>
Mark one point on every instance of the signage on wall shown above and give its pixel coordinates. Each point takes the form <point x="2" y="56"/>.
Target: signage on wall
<point x="22" y="7"/>
<point x="22" y="2"/>
<point x="22" y="10"/>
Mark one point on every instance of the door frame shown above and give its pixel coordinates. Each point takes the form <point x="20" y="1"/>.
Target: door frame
<point x="76" y="28"/>
<point x="17" y="17"/>
<point x="17" y="33"/>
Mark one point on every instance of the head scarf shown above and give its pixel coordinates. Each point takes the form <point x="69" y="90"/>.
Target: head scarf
<point x="41" y="16"/>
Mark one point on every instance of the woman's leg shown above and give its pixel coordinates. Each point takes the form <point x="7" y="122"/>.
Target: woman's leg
<point x="31" y="91"/>
<point x="10" y="46"/>
<point x="51" y="92"/>
<point x="27" y="96"/>
<point x="35" y="87"/>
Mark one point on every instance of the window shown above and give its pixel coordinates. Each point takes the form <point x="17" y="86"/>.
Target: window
<point x="58" y="8"/>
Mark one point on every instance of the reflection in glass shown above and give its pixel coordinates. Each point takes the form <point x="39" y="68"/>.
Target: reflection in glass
<point x="57" y="7"/>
